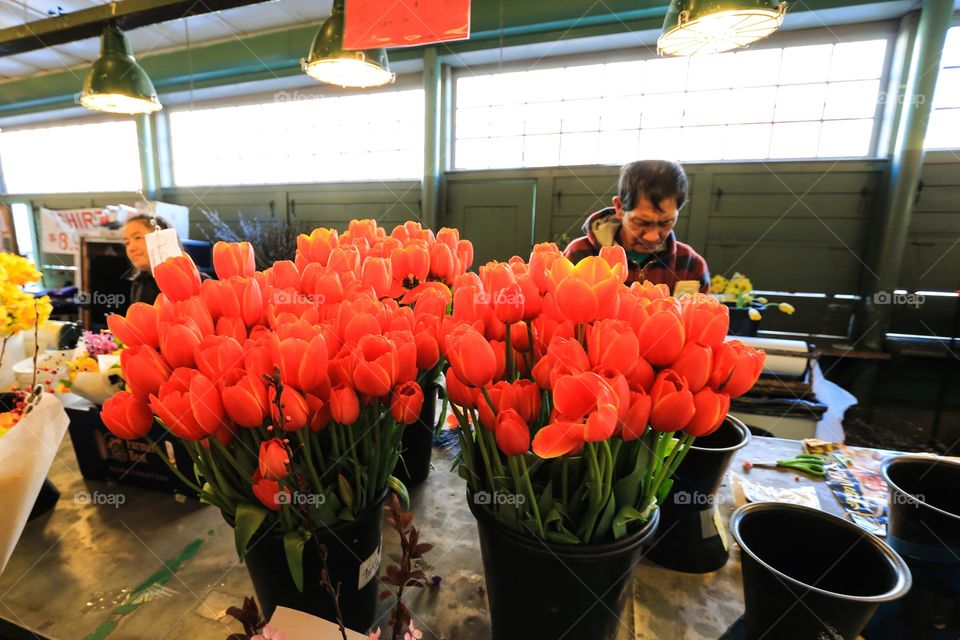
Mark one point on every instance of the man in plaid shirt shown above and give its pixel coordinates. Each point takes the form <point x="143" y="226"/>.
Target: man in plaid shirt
<point x="642" y="218"/>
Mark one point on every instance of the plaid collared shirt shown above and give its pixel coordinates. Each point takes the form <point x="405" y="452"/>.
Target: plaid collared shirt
<point x="677" y="261"/>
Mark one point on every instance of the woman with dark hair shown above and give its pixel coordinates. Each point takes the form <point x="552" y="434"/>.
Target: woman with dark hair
<point x="143" y="288"/>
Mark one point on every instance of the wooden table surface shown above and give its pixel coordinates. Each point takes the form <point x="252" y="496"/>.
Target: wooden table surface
<point x="113" y="562"/>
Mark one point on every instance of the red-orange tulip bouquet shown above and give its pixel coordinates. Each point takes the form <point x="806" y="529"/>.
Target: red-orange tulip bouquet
<point x="290" y="386"/>
<point x="577" y="397"/>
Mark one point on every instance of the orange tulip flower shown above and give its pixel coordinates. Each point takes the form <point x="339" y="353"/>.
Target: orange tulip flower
<point x="315" y="248"/>
<point x="144" y="370"/>
<point x="406" y="402"/>
<point x="512" y="433"/>
<point x="205" y="404"/>
<point x="588" y="291"/>
<point x="344" y="404"/>
<point x="293" y="407"/>
<point x="241" y="298"/>
<point x="376" y="365"/>
<point x="284" y="275"/>
<point x="178" y="278"/>
<point x="233" y="259"/>
<point x="736" y="368"/>
<point x="705" y="320"/>
<point x="303" y="364"/>
<point x="712" y="408"/>
<point x="587" y="398"/>
<point x="472" y="357"/>
<point x="127" y="416"/>
<point x="244" y="398"/>
<point x="661" y="338"/>
<point x="613" y="345"/>
<point x="178" y="343"/>
<point x="559" y="439"/>
<point x="216" y="355"/>
<point x="673" y="406"/>
<point x="139" y="327"/>
<point x="695" y="364"/>
<point x="459" y="392"/>
<point x="616" y="257"/>
<point x="635" y="425"/>
<point x="274" y="460"/>
<point x="268" y="492"/>
<point x="377" y="273"/>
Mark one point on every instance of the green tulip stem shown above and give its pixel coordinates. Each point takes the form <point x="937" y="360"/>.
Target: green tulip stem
<point x="597" y="476"/>
<point x="563" y="478"/>
<point x="173" y="468"/>
<point x="478" y="439"/>
<point x="531" y="495"/>
<point x="305" y="441"/>
<point x="493" y="407"/>
<point x="518" y="488"/>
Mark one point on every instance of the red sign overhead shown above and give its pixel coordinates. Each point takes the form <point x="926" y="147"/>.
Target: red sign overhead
<point x="370" y="24"/>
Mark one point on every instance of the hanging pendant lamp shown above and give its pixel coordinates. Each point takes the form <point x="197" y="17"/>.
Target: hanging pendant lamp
<point x="116" y="83"/>
<point x="695" y="27"/>
<point x="329" y="62"/>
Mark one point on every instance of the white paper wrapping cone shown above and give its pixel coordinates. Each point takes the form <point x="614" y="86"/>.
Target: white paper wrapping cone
<point x="777" y="364"/>
<point x="26" y="454"/>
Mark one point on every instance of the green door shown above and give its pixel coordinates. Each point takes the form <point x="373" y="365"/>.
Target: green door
<point x="496" y="217"/>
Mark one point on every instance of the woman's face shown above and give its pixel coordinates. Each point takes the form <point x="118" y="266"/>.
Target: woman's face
<point x="134" y="237"/>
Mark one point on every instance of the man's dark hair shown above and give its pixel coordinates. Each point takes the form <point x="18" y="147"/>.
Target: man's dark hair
<point x="655" y="180"/>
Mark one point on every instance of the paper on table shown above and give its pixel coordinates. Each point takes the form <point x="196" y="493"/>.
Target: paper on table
<point x="26" y="453"/>
<point x="745" y="491"/>
<point x="298" y="625"/>
<point x="161" y="245"/>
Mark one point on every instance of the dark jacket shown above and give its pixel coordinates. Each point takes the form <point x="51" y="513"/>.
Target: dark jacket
<point x="143" y="288"/>
<point x="677" y="261"/>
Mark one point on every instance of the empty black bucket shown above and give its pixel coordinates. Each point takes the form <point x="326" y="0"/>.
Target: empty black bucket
<point x="542" y="591"/>
<point x="353" y="556"/>
<point x="924" y="527"/>
<point x="417" y="445"/>
<point x="808" y="574"/>
<point x="689" y="513"/>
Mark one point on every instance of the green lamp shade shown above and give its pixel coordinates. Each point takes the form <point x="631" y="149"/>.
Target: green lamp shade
<point x="329" y="62"/>
<point x="116" y="83"/>
<point x="694" y="27"/>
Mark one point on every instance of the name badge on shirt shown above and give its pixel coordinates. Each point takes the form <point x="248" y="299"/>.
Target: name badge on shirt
<point x="686" y="287"/>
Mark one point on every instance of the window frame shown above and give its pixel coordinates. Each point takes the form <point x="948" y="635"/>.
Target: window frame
<point x="885" y="30"/>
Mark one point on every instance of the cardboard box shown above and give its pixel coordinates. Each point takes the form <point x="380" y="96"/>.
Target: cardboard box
<point x="103" y="456"/>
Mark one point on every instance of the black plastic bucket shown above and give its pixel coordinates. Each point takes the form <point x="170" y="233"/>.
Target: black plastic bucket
<point x="741" y="324"/>
<point x="417" y="443"/>
<point x="689" y="512"/>
<point x="542" y="591"/>
<point x="808" y="574"/>
<point x="924" y="527"/>
<point x="354" y="561"/>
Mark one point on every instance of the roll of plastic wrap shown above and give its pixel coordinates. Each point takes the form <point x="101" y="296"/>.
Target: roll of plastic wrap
<point x="778" y="364"/>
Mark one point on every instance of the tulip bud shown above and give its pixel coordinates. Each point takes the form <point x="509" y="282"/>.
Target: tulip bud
<point x="274" y="460"/>
<point x="406" y="402"/>
<point x="127" y="416"/>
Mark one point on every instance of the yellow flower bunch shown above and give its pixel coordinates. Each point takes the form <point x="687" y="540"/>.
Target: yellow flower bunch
<point x="17" y="270"/>
<point x="739" y="290"/>
<point x="19" y="310"/>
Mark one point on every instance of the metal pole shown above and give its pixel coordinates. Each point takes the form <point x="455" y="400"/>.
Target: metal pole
<point x="146" y="143"/>
<point x="903" y="174"/>
<point x="432" y="96"/>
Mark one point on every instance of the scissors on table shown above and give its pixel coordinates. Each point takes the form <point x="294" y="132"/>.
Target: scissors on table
<point x="804" y="462"/>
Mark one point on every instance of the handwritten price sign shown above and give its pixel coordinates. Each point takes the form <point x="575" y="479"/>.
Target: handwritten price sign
<point x="61" y="230"/>
<point x="404" y="23"/>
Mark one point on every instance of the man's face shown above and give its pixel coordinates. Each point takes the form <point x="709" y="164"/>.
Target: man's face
<point x="645" y="228"/>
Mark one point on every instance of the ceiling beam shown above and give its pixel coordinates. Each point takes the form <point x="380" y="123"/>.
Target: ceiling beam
<point x="89" y="23"/>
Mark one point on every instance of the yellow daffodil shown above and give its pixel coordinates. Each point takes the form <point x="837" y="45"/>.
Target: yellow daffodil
<point x="718" y="284"/>
<point x="754" y="314"/>
<point x="786" y="307"/>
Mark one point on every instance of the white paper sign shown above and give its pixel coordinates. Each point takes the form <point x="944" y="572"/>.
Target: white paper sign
<point x="61" y="230"/>
<point x="161" y="245"/>
<point x="370" y="569"/>
<point x="298" y="625"/>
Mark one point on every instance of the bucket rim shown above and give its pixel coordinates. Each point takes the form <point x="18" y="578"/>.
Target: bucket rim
<point x="739" y="426"/>
<point x="904" y="578"/>
<point x="589" y="551"/>
<point x="917" y="459"/>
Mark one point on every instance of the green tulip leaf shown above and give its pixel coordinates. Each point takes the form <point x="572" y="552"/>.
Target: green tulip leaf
<point x="606" y="518"/>
<point x="293" y="544"/>
<point x="247" y="519"/>
<point x="401" y="490"/>
<point x="346" y="493"/>
<point x="626" y="515"/>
